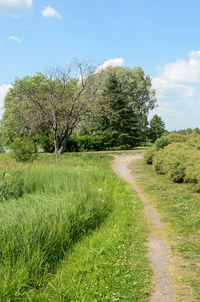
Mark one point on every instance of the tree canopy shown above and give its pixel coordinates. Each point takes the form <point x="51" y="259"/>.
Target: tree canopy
<point x="111" y="104"/>
<point x="129" y="96"/>
<point x="52" y="103"/>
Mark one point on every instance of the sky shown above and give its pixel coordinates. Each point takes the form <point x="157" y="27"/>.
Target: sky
<point x="160" y="36"/>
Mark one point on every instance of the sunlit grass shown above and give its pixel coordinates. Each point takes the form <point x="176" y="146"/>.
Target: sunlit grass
<point x="77" y="234"/>
<point x="180" y="208"/>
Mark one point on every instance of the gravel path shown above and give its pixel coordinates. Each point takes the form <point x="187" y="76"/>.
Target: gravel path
<point x="159" y="253"/>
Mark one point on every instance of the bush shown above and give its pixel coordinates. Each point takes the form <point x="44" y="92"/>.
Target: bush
<point x="90" y="143"/>
<point x="162" y="142"/>
<point x="149" y="155"/>
<point x="177" y="138"/>
<point x="169" y="139"/>
<point x="11" y="185"/>
<point x="24" y="150"/>
<point x="172" y="160"/>
<point x="176" y="167"/>
<point x="192" y="171"/>
<point x="77" y="143"/>
<point x="177" y="156"/>
<point x="158" y="162"/>
<point x="194" y="141"/>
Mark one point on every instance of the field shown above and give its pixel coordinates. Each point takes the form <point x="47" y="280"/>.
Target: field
<point x="70" y="231"/>
<point x="179" y="204"/>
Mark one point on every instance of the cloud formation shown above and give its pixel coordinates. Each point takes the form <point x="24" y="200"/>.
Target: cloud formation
<point x="49" y="12"/>
<point x="13" y="38"/>
<point x="111" y="62"/>
<point x="14" y="8"/>
<point x="3" y="91"/>
<point x="178" y="92"/>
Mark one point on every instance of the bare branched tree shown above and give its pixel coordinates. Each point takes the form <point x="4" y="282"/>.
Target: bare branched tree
<point x="57" y="98"/>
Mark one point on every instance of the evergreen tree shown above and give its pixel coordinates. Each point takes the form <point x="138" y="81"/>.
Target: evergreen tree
<point x="129" y="95"/>
<point x="157" y="128"/>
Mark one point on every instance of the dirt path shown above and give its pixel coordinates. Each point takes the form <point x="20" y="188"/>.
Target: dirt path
<point x="158" y="250"/>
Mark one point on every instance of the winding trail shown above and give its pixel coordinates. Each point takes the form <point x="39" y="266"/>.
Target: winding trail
<point x="159" y="253"/>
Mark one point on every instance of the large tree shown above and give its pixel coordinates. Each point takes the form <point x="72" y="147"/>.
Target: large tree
<point x="53" y="102"/>
<point x="129" y="95"/>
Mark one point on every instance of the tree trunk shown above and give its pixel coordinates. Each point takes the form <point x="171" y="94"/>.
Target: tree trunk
<point x="56" y="146"/>
<point x="62" y="146"/>
<point x="61" y="150"/>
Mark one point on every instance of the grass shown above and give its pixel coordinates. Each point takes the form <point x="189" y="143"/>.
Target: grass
<point x="180" y="208"/>
<point x="77" y="234"/>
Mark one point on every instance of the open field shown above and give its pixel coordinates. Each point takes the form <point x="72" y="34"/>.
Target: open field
<point x="76" y="234"/>
<point x="179" y="205"/>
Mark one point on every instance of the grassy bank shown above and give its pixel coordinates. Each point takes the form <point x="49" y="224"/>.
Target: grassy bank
<point x="180" y="207"/>
<point x="77" y="234"/>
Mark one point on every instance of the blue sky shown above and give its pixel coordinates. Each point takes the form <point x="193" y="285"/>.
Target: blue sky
<point x="160" y="36"/>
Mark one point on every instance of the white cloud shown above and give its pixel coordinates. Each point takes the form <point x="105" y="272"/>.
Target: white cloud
<point x="49" y="12"/>
<point x="15" y="8"/>
<point x="13" y="38"/>
<point x="3" y="91"/>
<point x="111" y="62"/>
<point x="178" y="92"/>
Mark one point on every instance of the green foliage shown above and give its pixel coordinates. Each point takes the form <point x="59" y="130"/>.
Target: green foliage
<point x="159" y="162"/>
<point x="19" y="115"/>
<point x="78" y="143"/>
<point x="188" y="131"/>
<point x="194" y="141"/>
<point x="172" y="160"/>
<point x="177" y="156"/>
<point x="175" y="163"/>
<point x="56" y="102"/>
<point x="149" y="155"/>
<point x="157" y="128"/>
<point x="165" y="140"/>
<point x="45" y="139"/>
<point x="97" y="142"/>
<point x="162" y="142"/>
<point x="192" y="171"/>
<point x="177" y="138"/>
<point x="112" y="104"/>
<point x="24" y="150"/>
<point x="129" y="97"/>
<point x="11" y="185"/>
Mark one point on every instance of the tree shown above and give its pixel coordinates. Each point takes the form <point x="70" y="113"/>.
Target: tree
<point x="52" y="102"/>
<point x="157" y="128"/>
<point x="130" y="97"/>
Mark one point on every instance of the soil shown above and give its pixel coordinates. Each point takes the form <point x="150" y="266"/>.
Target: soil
<point x="159" y="253"/>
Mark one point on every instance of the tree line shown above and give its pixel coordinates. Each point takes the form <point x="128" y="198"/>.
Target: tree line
<point x="81" y="107"/>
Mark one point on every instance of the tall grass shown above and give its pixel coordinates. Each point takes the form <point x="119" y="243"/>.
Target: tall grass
<point x="109" y="264"/>
<point x="62" y="202"/>
<point x="77" y="234"/>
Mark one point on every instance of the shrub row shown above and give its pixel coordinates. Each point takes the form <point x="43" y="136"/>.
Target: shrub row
<point x="78" y="143"/>
<point x="177" y="156"/>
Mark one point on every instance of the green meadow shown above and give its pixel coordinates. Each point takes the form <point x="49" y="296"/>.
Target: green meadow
<point x="70" y="230"/>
